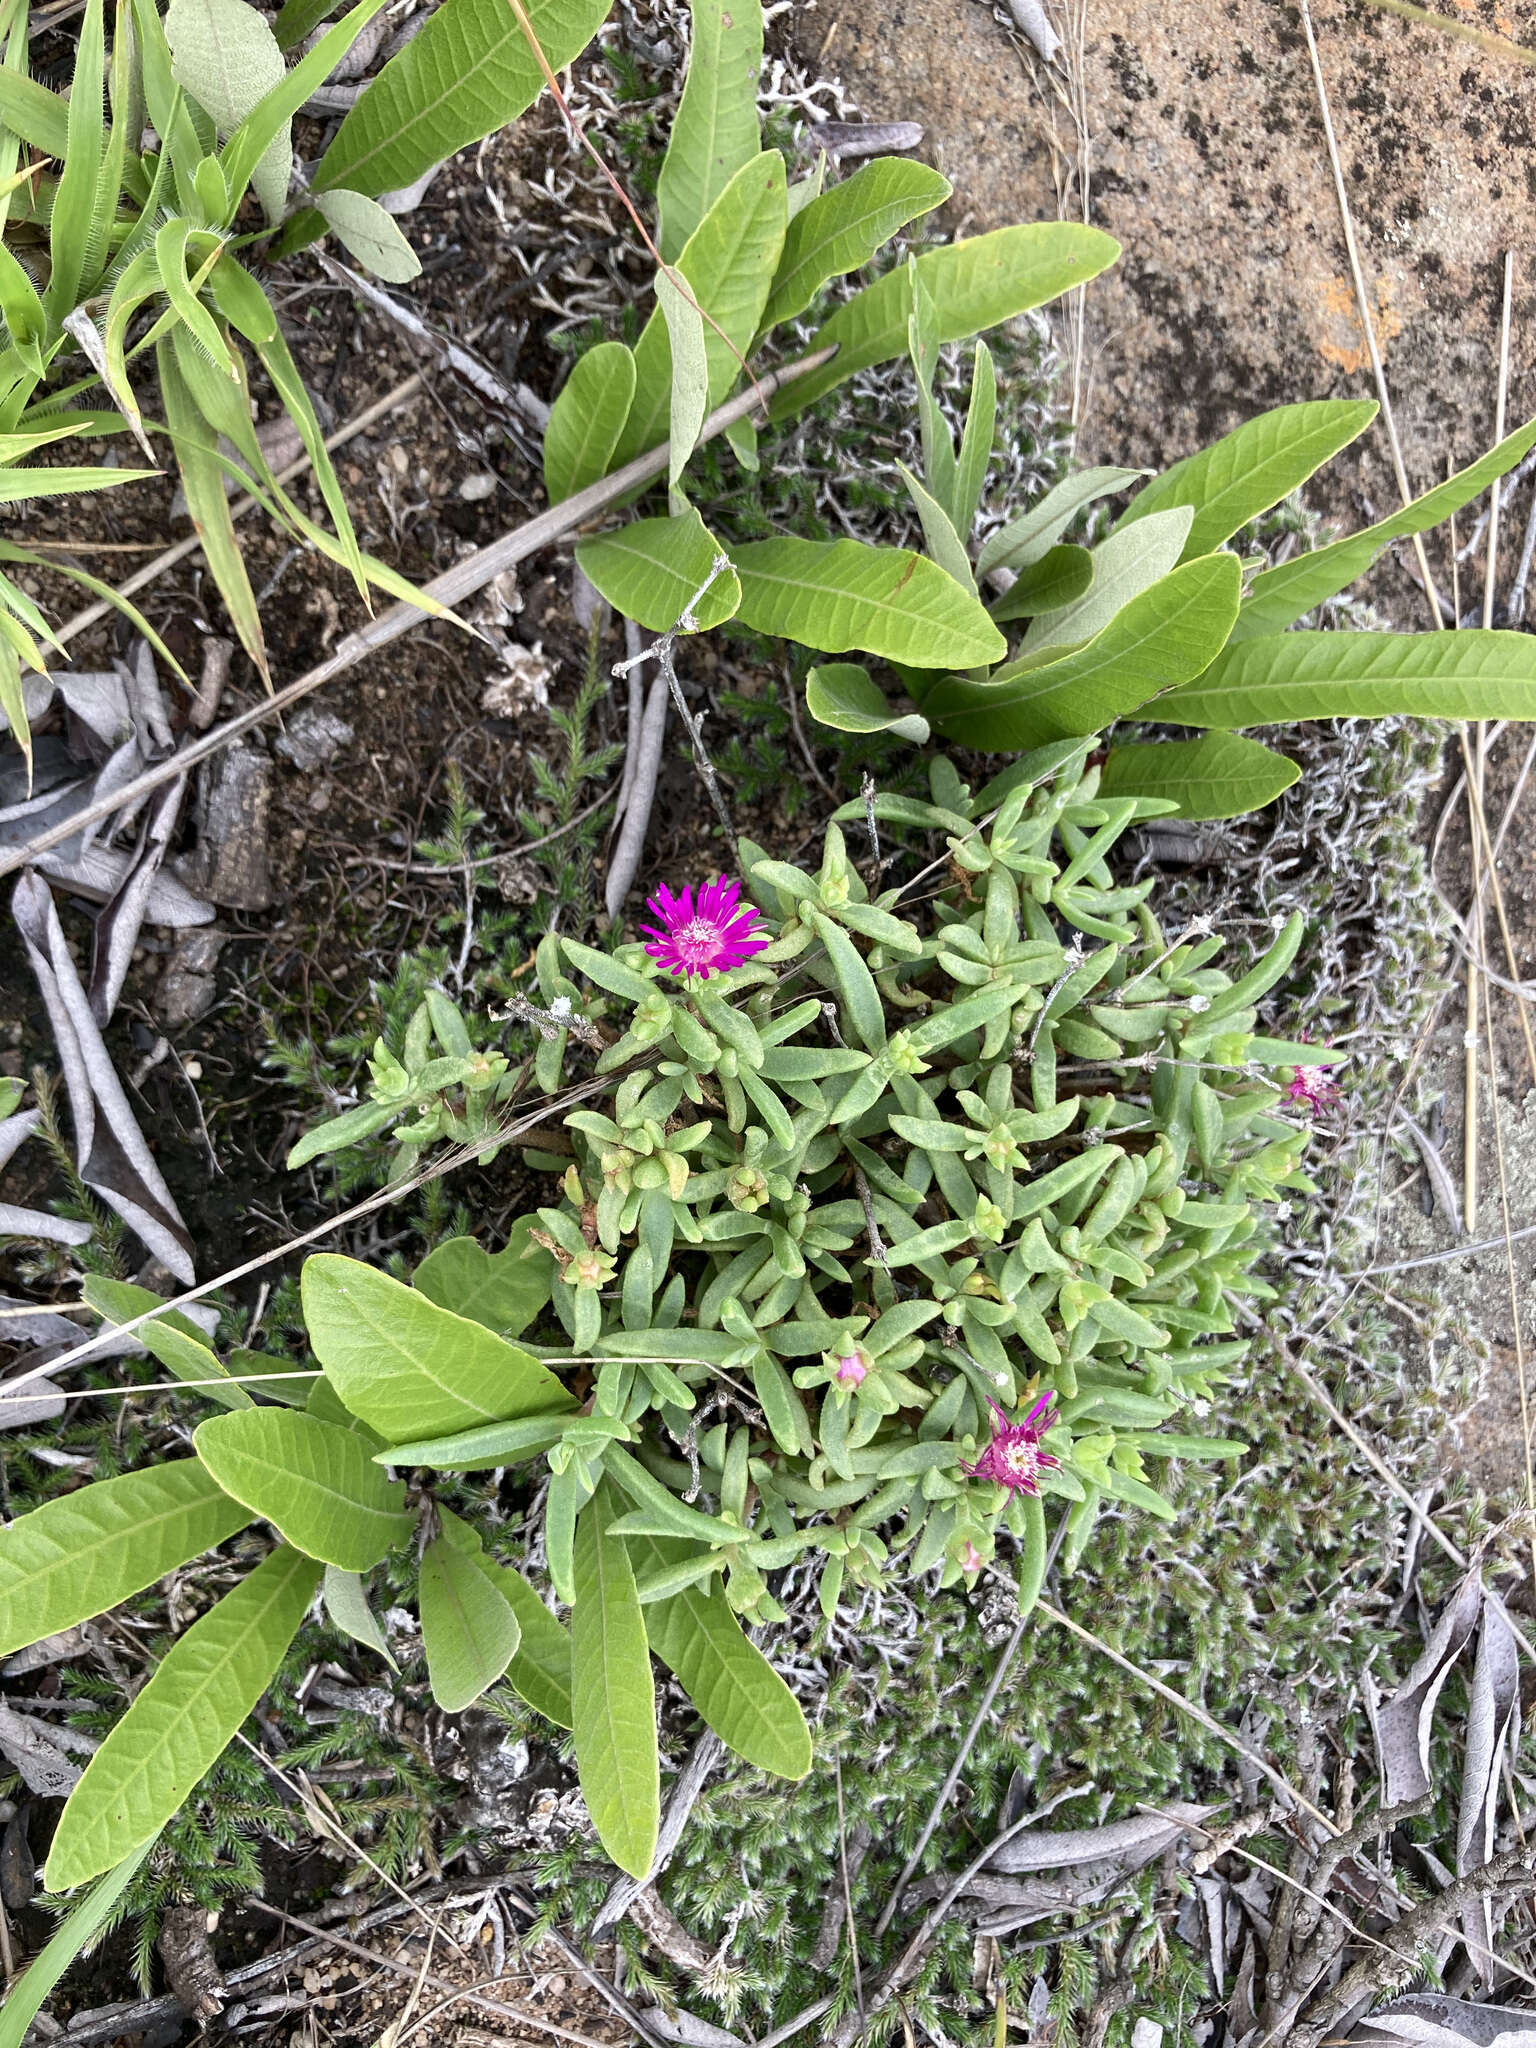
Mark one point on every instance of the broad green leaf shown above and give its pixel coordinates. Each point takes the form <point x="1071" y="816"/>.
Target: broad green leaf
<point x="841" y="694"/>
<point x="369" y="234"/>
<point x="1026" y="539"/>
<point x="346" y="1607"/>
<point x="842" y="229"/>
<point x="728" y="265"/>
<point x="1125" y="565"/>
<point x="652" y="570"/>
<point x="468" y="1629"/>
<point x="316" y="1484"/>
<point x="1278" y="597"/>
<point x="176" y="1728"/>
<point x="172" y="1338"/>
<point x="612" y="1691"/>
<point x="1474" y="674"/>
<point x="468" y="72"/>
<point x="409" y="1368"/>
<point x="1166" y="636"/>
<point x="1059" y="578"/>
<point x="1252" y="468"/>
<point x="75" y="1932"/>
<point x="732" y="1684"/>
<point x="225" y="55"/>
<point x="586" y="420"/>
<point x="842" y="594"/>
<point x="504" y="1290"/>
<point x="1217" y="776"/>
<point x="976" y="284"/>
<point x="690" y="375"/>
<point x="540" y="1670"/>
<point x="86" y="1552"/>
<point x="715" y="130"/>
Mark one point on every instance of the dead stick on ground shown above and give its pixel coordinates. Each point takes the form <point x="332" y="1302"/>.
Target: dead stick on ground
<point x="451" y="588"/>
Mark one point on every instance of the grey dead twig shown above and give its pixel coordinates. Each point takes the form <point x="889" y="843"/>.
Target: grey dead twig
<point x="661" y="652"/>
<point x="452" y="587"/>
<point x="642" y="770"/>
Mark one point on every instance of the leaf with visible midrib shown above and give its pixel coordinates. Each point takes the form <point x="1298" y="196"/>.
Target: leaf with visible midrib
<point x="468" y="1629"/>
<point x="1252" y="468"/>
<point x="1216" y="776"/>
<point x="172" y="1338"/>
<point x="504" y="1290"/>
<point x="316" y="1484"/>
<point x="731" y="1682"/>
<point x="1474" y="674"/>
<point x="586" y="420"/>
<point x="652" y="570"/>
<point x="469" y="71"/>
<point x="728" y="266"/>
<point x="88" y="1551"/>
<point x="715" y="130"/>
<point x="1166" y="636"/>
<point x="842" y="229"/>
<point x="1278" y="597"/>
<point x="540" y="1669"/>
<point x="409" y="1368"/>
<point x="176" y="1728"/>
<point x="842" y="594"/>
<point x="976" y="283"/>
<point x="612" y="1692"/>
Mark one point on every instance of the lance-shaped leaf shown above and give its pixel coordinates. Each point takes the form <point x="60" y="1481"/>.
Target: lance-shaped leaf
<point x="1252" y="468"/>
<point x="976" y="284"/>
<point x="470" y="70"/>
<point x="586" y="420"/>
<point x="1168" y="634"/>
<point x="315" y="1483"/>
<point x="731" y="1682"/>
<point x="75" y="1932"/>
<point x="173" y="1338"/>
<point x="842" y="594"/>
<point x="842" y="229"/>
<point x="368" y="232"/>
<point x="715" y="130"/>
<point x="86" y="1552"/>
<point x="652" y="570"/>
<point x="1219" y="775"/>
<point x="1274" y="681"/>
<point x="346" y="1608"/>
<point x="1026" y="539"/>
<point x="1493" y="1736"/>
<point x="409" y="1368"/>
<point x="1125" y="565"/>
<point x="176" y="1728"/>
<point x="612" y="1691"/>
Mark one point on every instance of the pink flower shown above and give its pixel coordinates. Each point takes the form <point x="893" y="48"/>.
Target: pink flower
<point x="717" y="936"/>
<point x="970" y="1558"/>
<point x="1014" y="1458"/>
<point x="1312" y="1088"/>
<point x="850" y="1371"/>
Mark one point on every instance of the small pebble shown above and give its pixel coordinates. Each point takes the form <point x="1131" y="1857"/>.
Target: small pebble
<point x="475" y="488"/>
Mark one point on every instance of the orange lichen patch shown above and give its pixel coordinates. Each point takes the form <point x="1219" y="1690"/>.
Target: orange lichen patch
<point x="1343" y="342"/>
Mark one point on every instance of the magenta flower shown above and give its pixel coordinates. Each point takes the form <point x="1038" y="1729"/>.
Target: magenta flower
<point x="851" y="1371"/>
<point x="708" y="940"/>
<point x="1312" y="1088"/>
<point x="1014" y="1458"/>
